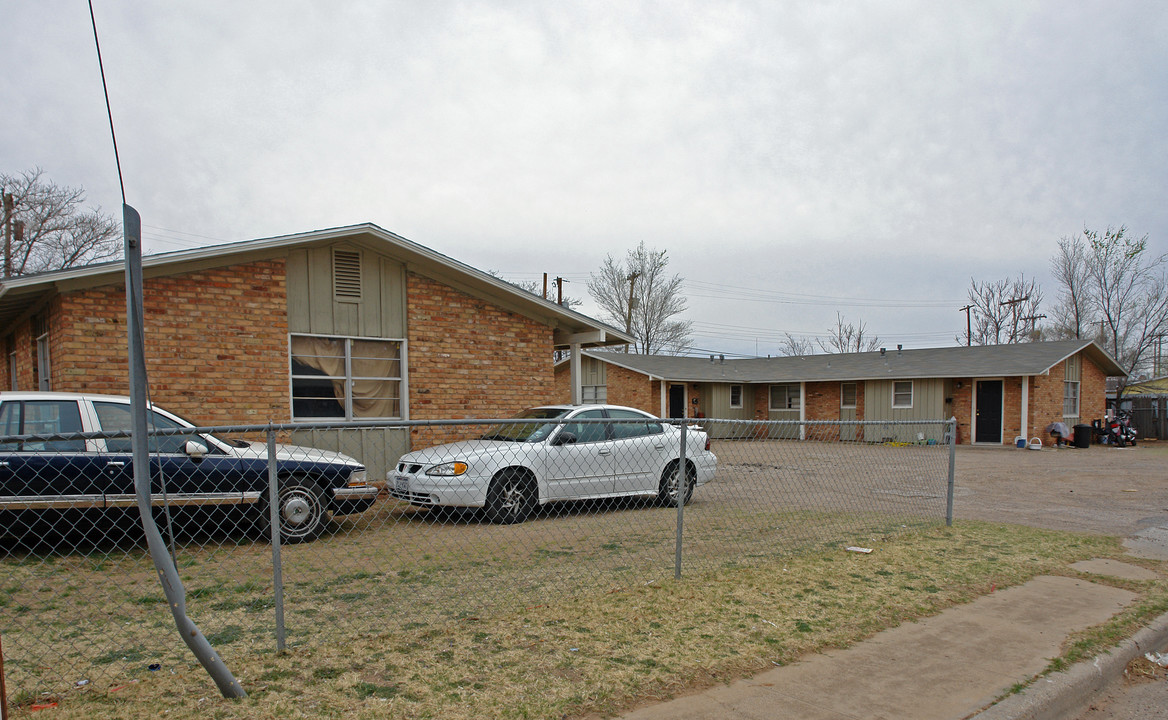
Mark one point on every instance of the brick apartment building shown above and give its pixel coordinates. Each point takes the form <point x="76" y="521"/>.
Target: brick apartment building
<point x="996" y="392"/>
<point x="354" y="323"/>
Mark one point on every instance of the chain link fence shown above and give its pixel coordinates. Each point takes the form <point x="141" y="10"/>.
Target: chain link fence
<point x="518" y="514"/>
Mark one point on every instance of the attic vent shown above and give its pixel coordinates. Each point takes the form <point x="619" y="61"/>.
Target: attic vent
<point x="347" y="275"/>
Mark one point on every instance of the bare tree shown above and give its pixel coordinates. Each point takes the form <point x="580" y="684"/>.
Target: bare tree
<point x="849" y="338"/>
<point x="637" y="295"/>
<point x="56" y="232"/>
<point x="1129" y="291"/>
<point x="793" y="346"/>
<point x="1004" y="311"/>
<point x="1073" y="314"/>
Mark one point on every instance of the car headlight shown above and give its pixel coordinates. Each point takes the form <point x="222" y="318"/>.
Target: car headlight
<point x="357" y="478"/>
<point x="450" y="469"/>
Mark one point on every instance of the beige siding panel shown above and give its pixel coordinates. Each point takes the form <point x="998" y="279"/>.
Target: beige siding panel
<point x="719" y="408"/>
<point x="313" y="308"/>
<point x="297" y="291"/>
<point x="320" y="291"/>
<point x="928" y="404"/>
<point x="377" y="448"/>
<point x="392" y="288"/>
<point x="593" y="371"/>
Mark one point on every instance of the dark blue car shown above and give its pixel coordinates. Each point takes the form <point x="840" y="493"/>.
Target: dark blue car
<point x="194" y="469"/>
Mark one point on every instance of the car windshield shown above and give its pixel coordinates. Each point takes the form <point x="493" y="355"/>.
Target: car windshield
<point x="528" y="431"/>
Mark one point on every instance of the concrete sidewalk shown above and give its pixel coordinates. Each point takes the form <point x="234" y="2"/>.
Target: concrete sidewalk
<point x="952" y="665"/>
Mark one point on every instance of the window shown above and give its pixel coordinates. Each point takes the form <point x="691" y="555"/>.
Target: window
<point x="847" y="395"/>
<point x="42" y="417"/>
<point x="784" y="397"/>
<point x="1071" y="376"/>
<point x="342" y="378"/>
<point x="623" y="430"/>
<point x="115" y="417"/>
<point x="588" y="432"/>
<point x="594" y="394"/>
<point x="1071" y="399"/>
<point x="735" y="396"/>
<point x="902" y="394"/>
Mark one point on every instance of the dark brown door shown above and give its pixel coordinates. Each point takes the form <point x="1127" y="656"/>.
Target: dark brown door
<point x="989" y="412"/>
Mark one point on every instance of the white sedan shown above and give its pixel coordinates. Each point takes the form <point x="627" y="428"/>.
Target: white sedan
<point x="554" y="453"/>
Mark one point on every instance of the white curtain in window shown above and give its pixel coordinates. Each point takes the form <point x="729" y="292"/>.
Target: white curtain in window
<point x="373" y="363"/>
<point x="326" y="355"/>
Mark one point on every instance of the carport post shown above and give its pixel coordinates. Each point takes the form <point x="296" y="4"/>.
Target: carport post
<point x="952" y="468"/>
<point x="682" y="486"/>
<point x="274" y="523"/>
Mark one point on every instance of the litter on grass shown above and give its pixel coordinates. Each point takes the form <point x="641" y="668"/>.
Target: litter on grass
<point x="855" y="549"/>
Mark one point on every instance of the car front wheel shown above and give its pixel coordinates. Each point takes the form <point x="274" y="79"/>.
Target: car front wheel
<point x="300" y="510"/>
<point x="511" y="498"/>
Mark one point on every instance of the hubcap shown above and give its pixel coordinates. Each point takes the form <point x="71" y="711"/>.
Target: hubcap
<point x="297" y="510"/>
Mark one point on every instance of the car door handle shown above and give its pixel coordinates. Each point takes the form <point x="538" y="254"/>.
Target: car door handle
<point x="659" y="447"/>
<point x="605" y="452"/>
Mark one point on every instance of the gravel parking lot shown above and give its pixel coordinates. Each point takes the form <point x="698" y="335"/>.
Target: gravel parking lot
<point x="1100" y="489"/>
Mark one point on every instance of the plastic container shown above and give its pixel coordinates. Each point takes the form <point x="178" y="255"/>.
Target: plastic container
<point x="1083" y="434"/>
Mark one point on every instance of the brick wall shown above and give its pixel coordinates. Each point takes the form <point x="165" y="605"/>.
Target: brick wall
<point x="822" y="402"/>
<point x="469" y="358"/>
<point x="216" y="343"/>
<point x="633" y="389"/>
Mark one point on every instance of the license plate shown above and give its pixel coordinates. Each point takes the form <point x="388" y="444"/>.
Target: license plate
<point x="401" y="484"/>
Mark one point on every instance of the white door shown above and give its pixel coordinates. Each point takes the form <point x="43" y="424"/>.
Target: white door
<point x="583" y="468"/>
<point x="640" y="451"/>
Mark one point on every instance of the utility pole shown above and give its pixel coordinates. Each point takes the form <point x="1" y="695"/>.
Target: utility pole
<point x="968" y="325"/>
<point x="560" y="290"/>
<point x="545" y="286"/>
<point x="1032" y="319"/>
<point x="632" y="298"/>
<point x="1013" y="303"/>
<point x="9" y="206"/>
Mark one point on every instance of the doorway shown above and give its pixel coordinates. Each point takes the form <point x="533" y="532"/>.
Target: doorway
<point x="987" y="412"/>
<point x="677" y="401"/>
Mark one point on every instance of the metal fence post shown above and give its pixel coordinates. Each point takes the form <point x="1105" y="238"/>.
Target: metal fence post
<point x="952" y="470"/>
<point x="274" y="522"/>
<point x="682" y="486"/>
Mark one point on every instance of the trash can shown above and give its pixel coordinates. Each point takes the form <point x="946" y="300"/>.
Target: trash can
<point x="1083" y="435"/>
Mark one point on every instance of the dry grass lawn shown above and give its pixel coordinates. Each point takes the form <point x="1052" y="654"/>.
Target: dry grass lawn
<point x="599" y="652"/>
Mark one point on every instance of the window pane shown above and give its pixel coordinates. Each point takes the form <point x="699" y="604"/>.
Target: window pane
<point x="735" y="396"/>
<point x="314" y="394"/>
<point x="848" y="395"/>
<point x="51" y="418"/>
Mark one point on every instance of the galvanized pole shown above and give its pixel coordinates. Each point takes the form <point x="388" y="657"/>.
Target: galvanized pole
<point x="274" y="521"/>
<point x="167" y="573"/>
<point x="952" y="470"/>
<point x="682" y="486"/>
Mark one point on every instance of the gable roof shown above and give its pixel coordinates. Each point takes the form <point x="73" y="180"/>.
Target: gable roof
<point x="951" y="362"/>
<point x="21" y="297"/>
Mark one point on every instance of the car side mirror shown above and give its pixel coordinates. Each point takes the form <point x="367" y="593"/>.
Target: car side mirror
<point x="195" y="451"/>
<point x="566" y="438"/>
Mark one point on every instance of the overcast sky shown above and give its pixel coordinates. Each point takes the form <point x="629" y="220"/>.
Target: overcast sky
<point x="795" y="159"/>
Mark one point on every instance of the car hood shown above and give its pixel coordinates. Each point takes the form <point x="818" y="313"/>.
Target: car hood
<point x="465" y="450"/>
<point x="291" y="453"/>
